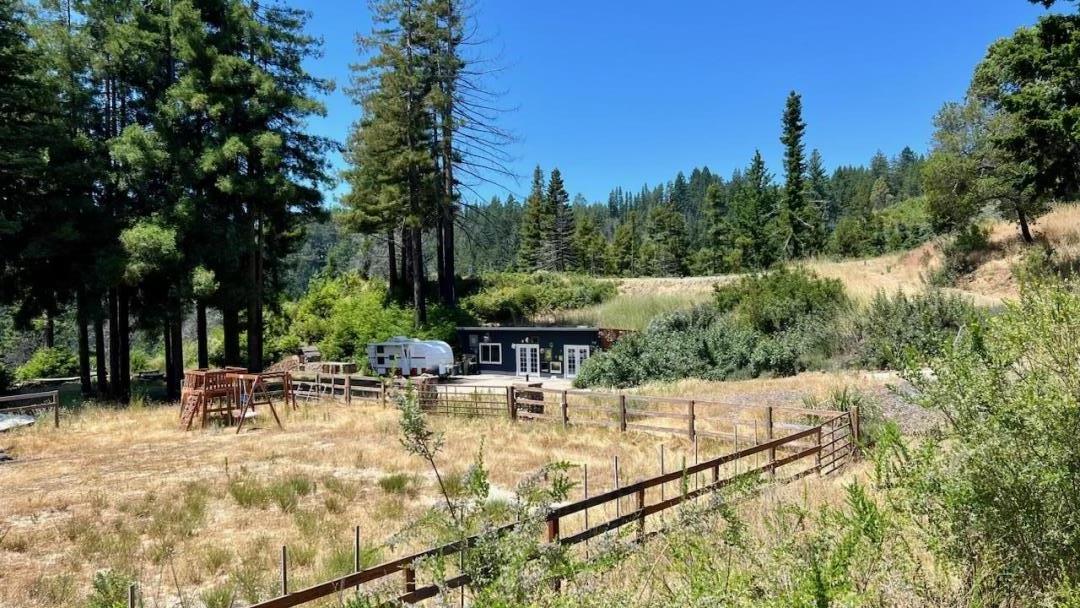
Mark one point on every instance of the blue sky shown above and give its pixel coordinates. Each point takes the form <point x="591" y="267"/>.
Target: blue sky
<point x="630" y="92"/>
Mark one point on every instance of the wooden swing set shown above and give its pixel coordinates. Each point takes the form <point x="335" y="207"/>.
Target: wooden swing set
<point x="230" y="395"/>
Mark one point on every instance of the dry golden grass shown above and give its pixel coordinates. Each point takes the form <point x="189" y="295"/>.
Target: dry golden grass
<point x="125" y="489"/>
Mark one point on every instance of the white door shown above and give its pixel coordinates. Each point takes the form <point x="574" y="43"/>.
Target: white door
<point x="528" y="359"/>
<point x="573" y="357"/>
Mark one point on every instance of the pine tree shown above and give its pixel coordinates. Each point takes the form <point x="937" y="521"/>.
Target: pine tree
<point x="818" y="189"/>
<point x="557" y="226"/>
<point x="664" y="252"/>
<point x="752" y="203"/>
<point x="623" y="252"/>
<point x="588" y="244"/>
<point x="532" y="224"/>
<point x="717" y="232"/>
<point x="789" y="230"/>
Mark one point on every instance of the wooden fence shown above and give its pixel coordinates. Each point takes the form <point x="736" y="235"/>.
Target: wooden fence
<point x="33" y="402"/>
<point x="821" y="448"/>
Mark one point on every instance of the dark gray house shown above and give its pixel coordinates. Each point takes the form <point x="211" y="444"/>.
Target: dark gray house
<point x="530" y="351"/>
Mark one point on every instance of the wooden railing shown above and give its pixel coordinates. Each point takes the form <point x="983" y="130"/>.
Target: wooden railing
<point x="33" y="402"/>
<point x="821" y="448"/>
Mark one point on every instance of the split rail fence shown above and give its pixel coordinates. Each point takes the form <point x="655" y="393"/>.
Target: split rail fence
<point x="782" y="444"/>
<point x="33" y="402"/>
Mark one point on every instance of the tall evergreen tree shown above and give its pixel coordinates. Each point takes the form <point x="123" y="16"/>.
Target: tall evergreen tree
<point x="557" y="226"/>
<point x="532" y="223"/>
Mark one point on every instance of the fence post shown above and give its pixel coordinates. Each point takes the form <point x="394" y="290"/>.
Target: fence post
<point x="348" y="389"/>
<point x="615" y="475"/>
<point x="565" y="411"/>
<point x="511" y="402"/>
<point x="856" y="441"/>
<point x="818" y="459"/>
<point x="131" y="596"/>
<point x="284" y="571"/>
<point x="553" y="537"/>
<point x="691" y="416"/>
<point x="356" y="549"/>
<point x="56" y="409"/>
<point x="382" y="392"/>
<point x="662" y="471"/>
<point x="641" y="514"/>
<point x="769" y="437"/>
<point x="622" y="413"/>
<point x="410" y="578"/>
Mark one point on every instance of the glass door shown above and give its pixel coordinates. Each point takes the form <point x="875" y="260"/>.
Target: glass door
<point x="528" y="359"/>
<point x="574" y="356"/>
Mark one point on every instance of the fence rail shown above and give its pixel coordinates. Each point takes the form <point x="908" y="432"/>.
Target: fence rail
<point x="821" y="448"/>
<point x="37" y="401"/>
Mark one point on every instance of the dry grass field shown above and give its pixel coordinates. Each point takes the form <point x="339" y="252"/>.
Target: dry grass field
<point x="191" y="512"/>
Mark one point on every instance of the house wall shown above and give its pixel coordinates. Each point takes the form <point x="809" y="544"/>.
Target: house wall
<point x="551" y="341"/>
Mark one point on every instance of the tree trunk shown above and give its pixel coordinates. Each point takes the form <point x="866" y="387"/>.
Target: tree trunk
<point x="1025" y="230"/>
<point x="123" y="378"/>
<point x="255" y="303"/>
<point x="50" y="330"/>
<point x="391" y="262"/>
<point x="406" y="262"/>
<point x="200" y="335"/>
<point x="176" y="340"/>
<point x="99" y="352"/>
<point x="419" y="304"/>
<point x="84" y="345"/>
<point x="230" y="324"/>
<point x="450" y="298"/>
<point x="440" y="263"/>
<point x="114" y="343"/>
<point x="170" y="370"/>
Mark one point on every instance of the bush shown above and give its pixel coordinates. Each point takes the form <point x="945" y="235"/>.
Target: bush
<point x="996" y="488"/>
<point x="961" y="254"/>
<point x="778" y="300"/>
<point x="896" y="328"/>
<point x="515" y="297"/>
<point x="109" y="590"/>
<point x="56" y="362"/>
<point x="343" y="314"/>
<point x="777" y="323"/>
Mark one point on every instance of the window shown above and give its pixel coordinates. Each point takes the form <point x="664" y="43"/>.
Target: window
<point x="491" y="352"/>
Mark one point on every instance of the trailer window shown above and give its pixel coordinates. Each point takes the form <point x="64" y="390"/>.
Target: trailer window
<point x="491" y="352"/>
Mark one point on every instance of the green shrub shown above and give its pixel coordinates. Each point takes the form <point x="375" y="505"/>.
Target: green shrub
<point x="996" y="487"/>
<point x="56" y="362"/>
<point x="398" y="483"/>
<point x="109" y="589"/>
<point x="961" y="254"/>
<point x="343" y="314"/>
<point x="778" y="300"/>
<point x="897" y="327"/>
<point x="515" y="297"/>
<point x="777" y="323"/>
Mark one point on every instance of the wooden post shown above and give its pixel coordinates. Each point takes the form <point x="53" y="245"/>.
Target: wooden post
<point x="410" y="578"/>
<point x="511" y="402"/>
<point x="585" y="483"/>
<point x="615" y="475"/>
<point x="818" y="459"/>
<point x="769" y="437"/>
<point x="56" y="409"/>
<point x="691" y="416"/>
<point x="622" y="413"/>
<point x="382" y="391"/>
<point x="641" y="514"/>
<point x="284" y="571"/>
<point x="662" y="471"/>
<point x="356" y="549"/>
<point x="565" y="411"/>
<point x="348" y="389"/>
<point x="553" y="537"/>
<point x="697" y="476"/>
<point x="856" y="440"/>
<point x="131" y="596"/>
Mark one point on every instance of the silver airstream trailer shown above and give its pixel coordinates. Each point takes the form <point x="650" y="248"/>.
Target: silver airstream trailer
<point x="411" y="357"/>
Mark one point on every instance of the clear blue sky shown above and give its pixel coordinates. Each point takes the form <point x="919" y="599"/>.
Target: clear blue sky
<point x="624" y="92"/>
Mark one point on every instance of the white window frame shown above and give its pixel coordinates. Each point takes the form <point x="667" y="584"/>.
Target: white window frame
<point x="490" y="361"/>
